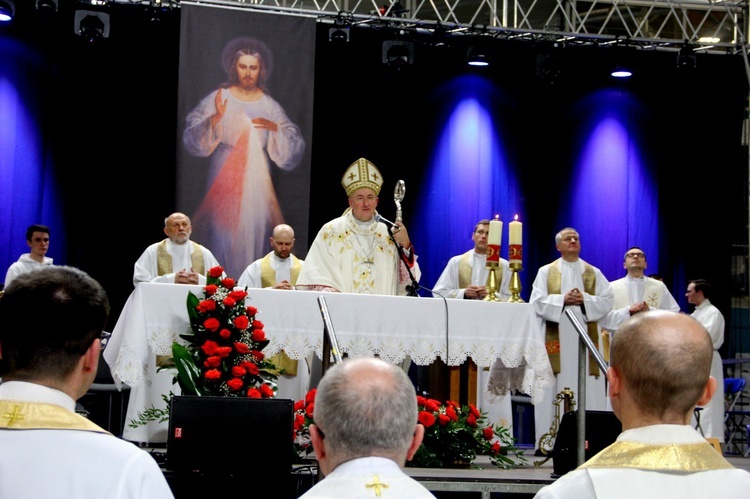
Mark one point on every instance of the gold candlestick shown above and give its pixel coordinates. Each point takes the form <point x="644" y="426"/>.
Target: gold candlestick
<point x="492" y="284"/>
<point x="515" y="284"/>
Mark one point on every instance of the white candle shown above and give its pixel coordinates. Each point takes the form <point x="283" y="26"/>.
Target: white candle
<point x="514" y="231"/>
<point x="496" y="231"/>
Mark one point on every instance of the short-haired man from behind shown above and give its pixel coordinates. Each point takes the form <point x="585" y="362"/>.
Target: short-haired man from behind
<point x="50" y="344"/>
<point x="658" y="374"/>
<point x="365" y="430"/>
<point x="37" y="238"/>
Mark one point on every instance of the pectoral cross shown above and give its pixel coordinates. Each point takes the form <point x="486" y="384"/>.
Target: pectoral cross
<point x="368" y="262"/>
<point x="376" y="485"/>
<point x="13" y="416"/>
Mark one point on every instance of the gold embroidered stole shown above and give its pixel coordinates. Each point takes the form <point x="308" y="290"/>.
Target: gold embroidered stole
<point x="268" y="274"/>
<point x="689" y="457"/>
<point x="465" y="270"/>
<point x="284" y="364"/>
<point x="164" y="259"/>
<point x="552" y="339"/>
<point x="18" y="415"/>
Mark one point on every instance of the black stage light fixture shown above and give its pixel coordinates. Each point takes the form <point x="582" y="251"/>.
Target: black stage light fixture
<point x="7" y="11"/>
<point x="548" y="67"/>
<point x="398" y="54"/>
<point x="686" y="60"/>
<point x="338" y="35"/>
<point x="91" y="25"/>
<point x="47" y="8"/>
<point x="477" y="56"/>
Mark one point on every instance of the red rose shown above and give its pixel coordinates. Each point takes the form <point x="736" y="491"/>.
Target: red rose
<point x="211" y="324"/>
<point x="451" y="413"/>
<point x="432" y="405"/>
<point x="488" y="433"/>
<point x="473" y="409"/>
<point x="215" y="272"/>
<point x="206" y="306"/>
<point x="241" y="322"/>
<point x="238" y="295"/>
<point x="210" y="289"/>
<point x="223" y="352"/>
<point x="496" y="448"/>
<point x="257" y="355"/>
<point x="451" y="403"/>
<point x="310" y="409"/>
<point x="213" y="374"/>
<point x="310" y="395"/>
<point x="258" y="335"/>
<point x="241" y="347"/>
<point x="421" y="400"/>
<point x="427" y="419"/>
<point x="471" y="420"/>
<point x="251" y="368"/>
<point x="443" y="419"/>
<point x="225" y="333"/>
<point x="229" y="302"/>
<point x="209" y="347"/>
<point x="266" y="391"/>
<point x="253" y="393"/>
<point x="235" y="384"/>
<point x="212" y="361"/>
<point x="299" y="421"/>
<point x="299" y="405"/>
<point x="258" y="325"/>
<point x="238" y="371"/>
<point x="251" y="311"/>
<point x="228" y="283"/>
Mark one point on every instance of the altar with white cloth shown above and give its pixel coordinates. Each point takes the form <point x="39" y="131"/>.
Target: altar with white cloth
<point x="507" y="336"/>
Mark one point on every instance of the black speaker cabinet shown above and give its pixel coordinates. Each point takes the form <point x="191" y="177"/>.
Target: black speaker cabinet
<point x="602" y="429"/>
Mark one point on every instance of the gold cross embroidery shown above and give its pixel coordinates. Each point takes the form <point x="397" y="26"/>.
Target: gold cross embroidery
<point x="352" y="176"/>
<point x="653" y="300"/>
<point x="376" y="485"/>
<point x="13" y="416"/>
<point x="375" y="177"/>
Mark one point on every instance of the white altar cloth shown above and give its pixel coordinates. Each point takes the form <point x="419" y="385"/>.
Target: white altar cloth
<point x="507" y="336"/>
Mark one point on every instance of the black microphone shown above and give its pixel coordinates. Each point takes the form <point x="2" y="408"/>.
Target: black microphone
<point x="390" y="224"/>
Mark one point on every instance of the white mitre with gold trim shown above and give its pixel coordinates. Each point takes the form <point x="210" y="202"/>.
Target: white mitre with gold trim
<point x="362" y="173"/>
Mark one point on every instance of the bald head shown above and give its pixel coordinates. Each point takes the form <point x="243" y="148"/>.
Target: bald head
<point x="282" y="240"/>
<point x="366" y="407"/>
<point x="663" y="360"/>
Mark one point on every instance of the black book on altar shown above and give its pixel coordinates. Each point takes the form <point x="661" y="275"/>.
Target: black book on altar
<point x="230" y="435"/>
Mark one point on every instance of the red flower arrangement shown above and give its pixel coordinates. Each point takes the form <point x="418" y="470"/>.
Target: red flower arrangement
<point x="454" y="435"/>
<point x="224" y="354"/>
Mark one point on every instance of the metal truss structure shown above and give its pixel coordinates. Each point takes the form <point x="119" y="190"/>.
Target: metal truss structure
<point x="701" y="25"/>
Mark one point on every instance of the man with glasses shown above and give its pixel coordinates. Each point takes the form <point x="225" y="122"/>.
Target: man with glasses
<point x="37" y="238"/>
<point x="634" y="293"/>
<point x="569" y="283"/>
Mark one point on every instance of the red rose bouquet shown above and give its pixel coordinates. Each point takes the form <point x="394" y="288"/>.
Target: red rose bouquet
<point x="224" y="354"/>
<point x="455" y="435"/>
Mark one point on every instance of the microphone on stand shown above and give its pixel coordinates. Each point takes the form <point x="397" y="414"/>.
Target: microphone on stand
<point x="387" y="222"/>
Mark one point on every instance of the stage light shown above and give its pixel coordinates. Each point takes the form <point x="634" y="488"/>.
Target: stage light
<point x="7" y="11"/>
<point x="686" y="60"/>
<point x="548" y="67"/>
<point x="398" y="54"/>
<point x="338" y="36"/>
<point x="621" y="72"/>
<point x="91" y="25"/>
<point x="477" y="57"/>
<point x="47" y="8"/>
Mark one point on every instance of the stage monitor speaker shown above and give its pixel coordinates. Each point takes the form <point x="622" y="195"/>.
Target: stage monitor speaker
<point x="602" y="429"/>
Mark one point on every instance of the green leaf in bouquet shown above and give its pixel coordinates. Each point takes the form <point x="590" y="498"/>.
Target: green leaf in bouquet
<point x="188" y="373"/>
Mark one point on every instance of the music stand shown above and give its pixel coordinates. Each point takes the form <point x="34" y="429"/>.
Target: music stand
<point x="330" y="344"/>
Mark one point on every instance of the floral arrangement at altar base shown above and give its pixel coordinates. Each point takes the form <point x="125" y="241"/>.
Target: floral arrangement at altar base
<point x="223" y="355"/>
<point x="454" y="435"/>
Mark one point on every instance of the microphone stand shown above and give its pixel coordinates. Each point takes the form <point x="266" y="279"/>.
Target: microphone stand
<point x="411" y="289"/>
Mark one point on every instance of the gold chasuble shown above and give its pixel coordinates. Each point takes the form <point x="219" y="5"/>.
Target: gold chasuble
<point x="164" y="259"/>
<point x="281" y="360"/>
<point x="552" y="340"/>
<point x="464" y="270"/>
<point x="687" y="457"/>
<point x="18" y="415"/>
